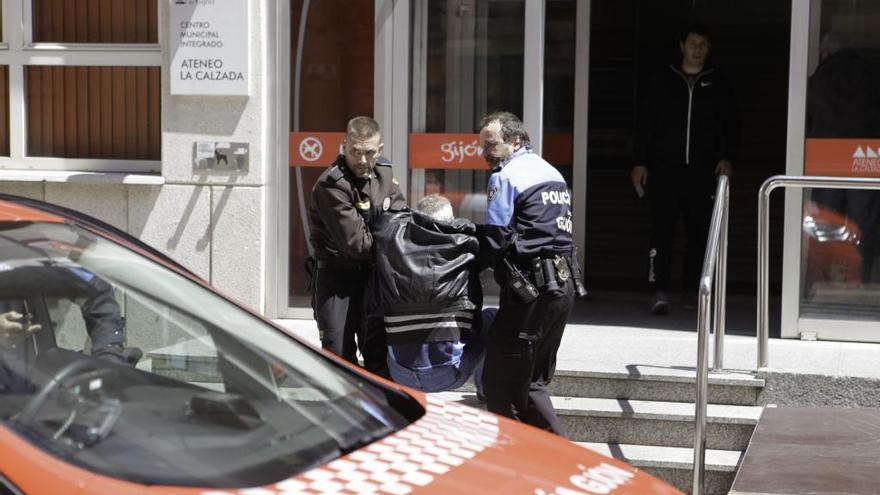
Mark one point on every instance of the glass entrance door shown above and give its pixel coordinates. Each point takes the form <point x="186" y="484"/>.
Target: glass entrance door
<point x="331" y="80"/>
<point x="839" y="289"/>
<point x="467" y="61"/>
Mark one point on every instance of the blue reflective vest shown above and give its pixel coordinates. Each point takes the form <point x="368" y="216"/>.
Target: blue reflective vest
<point x="529" y="211"/>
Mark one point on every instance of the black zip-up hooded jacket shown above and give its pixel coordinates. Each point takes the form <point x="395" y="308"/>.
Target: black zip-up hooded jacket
<point x="687" y="123"/>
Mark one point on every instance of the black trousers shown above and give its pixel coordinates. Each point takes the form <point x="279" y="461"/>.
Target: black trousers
<point x="339" y="306"/>
<point x="518" y="371"/>
<point x="674" y="195"/>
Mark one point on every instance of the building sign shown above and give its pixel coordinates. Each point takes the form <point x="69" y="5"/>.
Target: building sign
<point x="314" y="149"/>
<point x="462" y="151"/>
<point x="209" y="47"/>
<point x="446" y="151"/>
<point x="842" y="157"/>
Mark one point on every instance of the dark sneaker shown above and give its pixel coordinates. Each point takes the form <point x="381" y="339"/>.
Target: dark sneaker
<point x="480" y="397"/>
<point x="660" y="304"/>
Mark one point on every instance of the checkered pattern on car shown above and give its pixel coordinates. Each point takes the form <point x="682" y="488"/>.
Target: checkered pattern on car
<point x="443" y="439"/>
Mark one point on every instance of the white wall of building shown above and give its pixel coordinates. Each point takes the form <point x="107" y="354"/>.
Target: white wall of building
<point x="211" y="222"/>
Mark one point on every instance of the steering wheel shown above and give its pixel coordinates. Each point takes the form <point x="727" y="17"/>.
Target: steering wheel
<point x="35" y="403"/>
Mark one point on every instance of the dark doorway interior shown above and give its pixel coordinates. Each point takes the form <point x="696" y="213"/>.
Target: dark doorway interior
<point x="630" y="41"/>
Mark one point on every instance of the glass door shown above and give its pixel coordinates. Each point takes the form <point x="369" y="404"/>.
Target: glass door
<point x="331" y="78"/>
<point x="467" y="60"/>
<point x="839" y="289"/>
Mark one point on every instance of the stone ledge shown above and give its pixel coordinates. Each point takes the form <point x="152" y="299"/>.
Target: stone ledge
<point x="73" y="177"/>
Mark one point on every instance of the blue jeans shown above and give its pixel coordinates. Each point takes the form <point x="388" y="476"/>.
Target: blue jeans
<point x="442" y="377"/>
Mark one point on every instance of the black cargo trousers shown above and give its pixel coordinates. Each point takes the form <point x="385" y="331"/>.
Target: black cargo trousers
<point x="521" y="356"/>
<point x="339" y="302"/>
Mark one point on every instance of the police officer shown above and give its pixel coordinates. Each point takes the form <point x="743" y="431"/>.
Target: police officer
<point x="346" y="201"/>
<point x="527" y="239"/>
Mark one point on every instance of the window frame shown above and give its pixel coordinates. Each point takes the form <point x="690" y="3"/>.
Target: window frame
<point x="17" y="50"/>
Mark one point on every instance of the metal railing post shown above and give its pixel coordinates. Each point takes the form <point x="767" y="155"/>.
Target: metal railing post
<point x="763" y="267"/>
<point x="701" y="398"/>
<point x="704" y="321"/>
<point x="721" y="285"/>
<point x="767" y="187"/>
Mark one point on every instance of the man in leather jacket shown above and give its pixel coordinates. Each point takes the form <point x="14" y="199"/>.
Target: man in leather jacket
<point x="346" y="201"/>
<point x="429" y="296"/>
<point x="100" y="312"/>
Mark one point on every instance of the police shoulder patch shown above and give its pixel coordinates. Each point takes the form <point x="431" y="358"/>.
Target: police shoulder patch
<point x="493" y="191"/>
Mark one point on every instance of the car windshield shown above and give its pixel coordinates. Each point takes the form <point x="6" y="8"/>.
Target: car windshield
<point x="120" y="365"/>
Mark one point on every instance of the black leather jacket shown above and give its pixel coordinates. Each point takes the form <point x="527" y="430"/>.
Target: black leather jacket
<point x="426" y="272"/>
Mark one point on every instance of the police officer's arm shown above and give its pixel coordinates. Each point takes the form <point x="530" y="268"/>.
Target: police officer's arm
<point x="498" y="233"/>
<point x="345" y="225"/>
<point x="103" y="318"/>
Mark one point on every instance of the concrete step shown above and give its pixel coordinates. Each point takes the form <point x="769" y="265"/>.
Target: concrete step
<point x="668" y="424"/>
<point x="675" y="464"/>
<point x="623" y="421"/>
<point x="663" y="384"/>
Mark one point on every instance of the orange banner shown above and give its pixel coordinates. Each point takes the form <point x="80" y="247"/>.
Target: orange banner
<point x="446" y="151"/>
<point x="842" y="157"/>
<point x="558" y="149"/>
<point x="314" y="149"/>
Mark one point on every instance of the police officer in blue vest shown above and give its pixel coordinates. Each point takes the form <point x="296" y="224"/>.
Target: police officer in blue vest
<point x="527" y="240"/>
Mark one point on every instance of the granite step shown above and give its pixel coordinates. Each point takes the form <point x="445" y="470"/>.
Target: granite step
<point x="640" y="382"/>
<point x="675" y="465"/>
<point x="661" y="423"/>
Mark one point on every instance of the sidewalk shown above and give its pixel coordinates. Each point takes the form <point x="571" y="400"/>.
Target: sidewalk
<point x="643" y="350"/>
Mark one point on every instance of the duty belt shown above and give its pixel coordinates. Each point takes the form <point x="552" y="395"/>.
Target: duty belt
<point x="550" y="273"/>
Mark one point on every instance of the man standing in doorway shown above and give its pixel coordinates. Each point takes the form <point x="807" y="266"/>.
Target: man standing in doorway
<point x="687" y="135"/>
<point x="346" y="202"/>
<point x="527" y="240"/>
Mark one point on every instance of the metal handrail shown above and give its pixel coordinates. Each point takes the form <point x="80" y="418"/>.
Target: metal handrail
<point x="769" y="185"/>
<point x="714" y="267"/>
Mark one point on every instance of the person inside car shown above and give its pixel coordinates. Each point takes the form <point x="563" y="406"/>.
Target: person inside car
<point x="15" y="328"/>
<point x="100" y="312"/>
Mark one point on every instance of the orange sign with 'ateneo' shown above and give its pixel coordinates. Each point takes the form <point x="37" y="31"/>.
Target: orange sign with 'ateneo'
<point x="314" y="149"/>
<point x="842" y="157"/>
<point x="446" y="151"/>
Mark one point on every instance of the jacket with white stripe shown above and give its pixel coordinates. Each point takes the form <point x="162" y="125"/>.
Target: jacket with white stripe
<point x="426" y="283"/>
<point x="687" y="122"/>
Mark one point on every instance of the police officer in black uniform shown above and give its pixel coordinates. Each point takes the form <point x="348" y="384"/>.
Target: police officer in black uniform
<point x="346" y="202"/>
<point x="527" y="239"/>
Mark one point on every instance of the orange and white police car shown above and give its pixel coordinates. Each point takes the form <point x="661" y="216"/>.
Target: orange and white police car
<point x="123" y="373"/>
